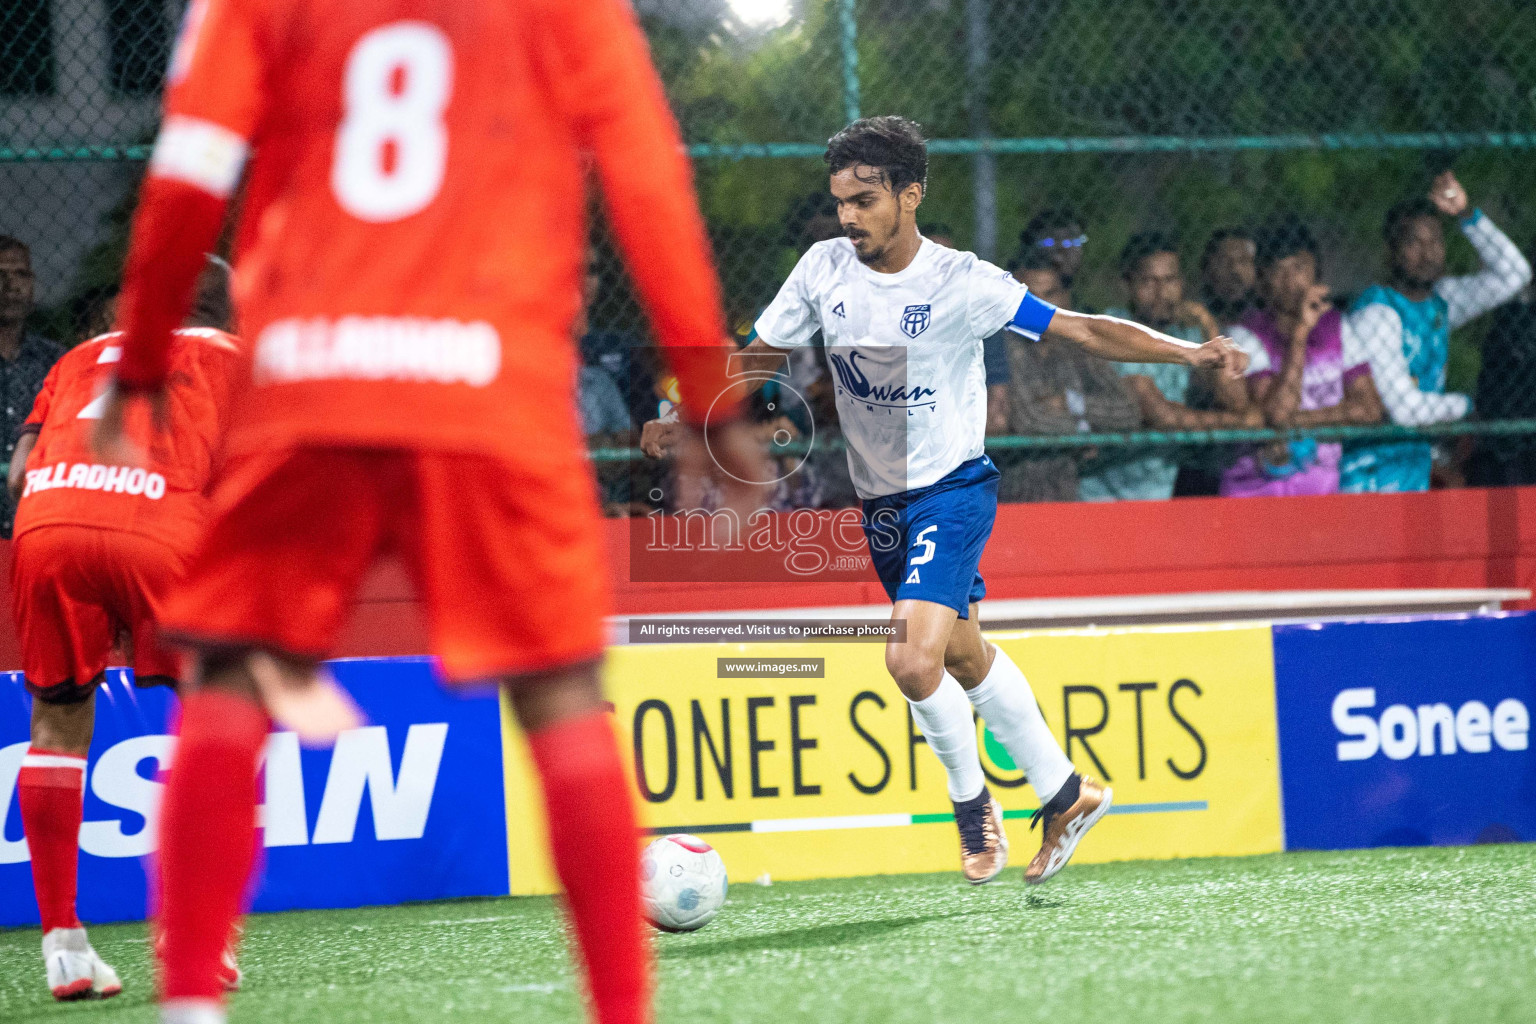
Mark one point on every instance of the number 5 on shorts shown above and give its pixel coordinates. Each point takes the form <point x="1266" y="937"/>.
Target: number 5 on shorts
<point x="928" y="546"/>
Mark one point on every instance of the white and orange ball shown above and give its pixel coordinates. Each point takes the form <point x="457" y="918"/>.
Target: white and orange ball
<point x="683" y="883"/>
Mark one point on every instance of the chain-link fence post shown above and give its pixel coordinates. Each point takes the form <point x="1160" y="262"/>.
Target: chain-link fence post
<point x="850" y="38"/>
<point x="984" y="163"/>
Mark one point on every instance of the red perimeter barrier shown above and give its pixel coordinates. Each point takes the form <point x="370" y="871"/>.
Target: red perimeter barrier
<point x="1464" y="538"/>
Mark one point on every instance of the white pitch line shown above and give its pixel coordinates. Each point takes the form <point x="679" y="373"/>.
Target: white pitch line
<point x="543" y="989"/>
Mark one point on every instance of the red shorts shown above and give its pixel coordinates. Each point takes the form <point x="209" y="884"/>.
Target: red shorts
<point x="78" y="592"/>
<point x="508" y="562"/>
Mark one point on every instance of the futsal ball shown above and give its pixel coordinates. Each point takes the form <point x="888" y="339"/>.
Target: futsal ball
<point x="684" y="883"/>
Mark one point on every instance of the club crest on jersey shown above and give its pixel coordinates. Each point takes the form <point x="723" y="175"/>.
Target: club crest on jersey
<point x="838" y="310"/>
<point x="915" y="319"/>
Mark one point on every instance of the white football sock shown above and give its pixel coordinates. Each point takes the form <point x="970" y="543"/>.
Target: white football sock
<point x="72" y="940"/>
<point x="944" y="718"/>
<point x="1007" y="704"/>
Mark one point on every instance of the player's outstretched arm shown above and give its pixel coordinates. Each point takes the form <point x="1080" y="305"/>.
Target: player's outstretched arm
<point x="613" y="100"/>
<point x="212" y="105"/>
<point x="1123" y="341"/>
<point x="176" y="224"/>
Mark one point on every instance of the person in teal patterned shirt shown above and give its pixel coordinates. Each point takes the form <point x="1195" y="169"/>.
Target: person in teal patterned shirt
<point x="1404" y="328"/>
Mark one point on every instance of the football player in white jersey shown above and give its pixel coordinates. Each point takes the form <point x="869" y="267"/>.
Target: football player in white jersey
<point x="903" y="321"/>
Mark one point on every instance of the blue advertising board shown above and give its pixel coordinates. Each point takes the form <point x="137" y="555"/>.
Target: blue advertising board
<point x="409" y="807"/>
<point x="130" y="745"/>
<point x="1399" y="732"/>
<point x="1407" y="732"/>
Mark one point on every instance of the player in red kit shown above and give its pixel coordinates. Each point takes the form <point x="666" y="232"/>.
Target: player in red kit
<point x="409" y="259"/>
<point x="97" y="547"/>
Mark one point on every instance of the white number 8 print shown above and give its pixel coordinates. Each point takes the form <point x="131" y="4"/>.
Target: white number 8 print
<point x="392" y="147"/>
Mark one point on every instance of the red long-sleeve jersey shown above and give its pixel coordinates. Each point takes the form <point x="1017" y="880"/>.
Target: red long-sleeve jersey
<point x="165" y="499"/>
<point x="412" y="235"/>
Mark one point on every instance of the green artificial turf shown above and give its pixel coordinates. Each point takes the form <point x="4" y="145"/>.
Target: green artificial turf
<point x="1377" y="937"/>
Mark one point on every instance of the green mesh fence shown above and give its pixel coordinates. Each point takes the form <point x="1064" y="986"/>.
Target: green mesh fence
<point x="1180" y="117"/>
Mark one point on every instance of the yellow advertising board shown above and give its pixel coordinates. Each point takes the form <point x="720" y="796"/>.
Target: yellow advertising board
<point x="829" y="777"/>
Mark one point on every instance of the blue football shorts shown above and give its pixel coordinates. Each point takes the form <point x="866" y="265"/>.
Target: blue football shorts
<point x="926" y="543"/>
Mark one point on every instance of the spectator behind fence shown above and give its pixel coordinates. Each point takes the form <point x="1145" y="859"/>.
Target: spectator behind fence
<point x="605" y="417"/>
<point x="1058" y="233"/>
<point x="1506" y="390"/>
<point x="25" y="357"/>
<point x="1149" y="266"/>
<point x="1404" y="328"/>
<point x="604" y="414"/>
<point x="604" y="409"/>
<point x="622" y="357"/>
<point x="98" y="312"/>
<point x="1227" y="274"/>
<point x="1304" y="369"/>
<point x="1037" y="272"/>
<point x="1049" y="387"/>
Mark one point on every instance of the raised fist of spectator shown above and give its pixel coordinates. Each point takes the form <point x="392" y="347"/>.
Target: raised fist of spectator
<point x="1448" y="196"/>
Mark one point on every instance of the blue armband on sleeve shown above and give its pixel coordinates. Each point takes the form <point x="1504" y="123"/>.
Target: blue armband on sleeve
<point x="1033" y="317"/>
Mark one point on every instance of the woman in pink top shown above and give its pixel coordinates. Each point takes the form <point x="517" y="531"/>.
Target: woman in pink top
<point x="1305" y="370"/>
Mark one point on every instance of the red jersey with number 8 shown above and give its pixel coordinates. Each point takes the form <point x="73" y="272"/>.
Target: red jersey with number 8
<point x="413" y="230"/>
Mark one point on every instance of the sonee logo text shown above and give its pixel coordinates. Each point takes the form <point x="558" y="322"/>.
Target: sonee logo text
<point x="1401" y="731"/>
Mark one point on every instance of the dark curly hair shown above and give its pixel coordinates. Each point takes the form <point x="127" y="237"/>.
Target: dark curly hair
<point x="1031" y="259"/>
<point x="892" y="145"/>
<point x="1404" y="213"/>
<point x="1213" y="244"/>
<point x="1140" y="246"/>
<point x="1283" y="236"/>
<point x="1047" y="222"/>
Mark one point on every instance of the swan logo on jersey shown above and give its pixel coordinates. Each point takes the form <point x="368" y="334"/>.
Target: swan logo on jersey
<point x="915" y="319"/>
<point x="851" y="377"/>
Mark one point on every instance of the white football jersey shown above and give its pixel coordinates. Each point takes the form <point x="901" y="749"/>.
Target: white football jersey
<point x="905" y="353"/>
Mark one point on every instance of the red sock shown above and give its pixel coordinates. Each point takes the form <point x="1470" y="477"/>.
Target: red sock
<point x="51" y="787"/>
<point x="594" y="839"/>
<point x="207" y="838"/>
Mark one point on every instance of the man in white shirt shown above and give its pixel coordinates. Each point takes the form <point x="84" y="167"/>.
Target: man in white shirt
<point x="1404" y="328"/>
<point x="904" y="320"/>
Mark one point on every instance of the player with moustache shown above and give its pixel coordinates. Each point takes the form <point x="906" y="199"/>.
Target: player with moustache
<point x="904" y="320"/>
